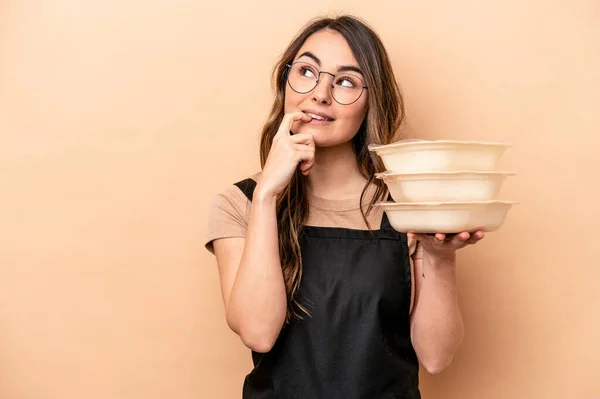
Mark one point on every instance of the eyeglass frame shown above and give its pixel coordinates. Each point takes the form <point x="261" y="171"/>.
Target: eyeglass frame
<point x="289" y="66"/>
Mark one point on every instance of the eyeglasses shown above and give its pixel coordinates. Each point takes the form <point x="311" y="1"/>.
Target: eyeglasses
<point x="346" y="87"/>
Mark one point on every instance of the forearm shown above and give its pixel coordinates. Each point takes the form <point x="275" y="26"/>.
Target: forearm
<point x="437" y="327"/>
<point x="257" y="305"/>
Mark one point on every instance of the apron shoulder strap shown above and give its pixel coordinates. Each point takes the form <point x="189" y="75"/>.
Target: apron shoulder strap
<point x="247" y="186"/>
<point x="386" y="230"/>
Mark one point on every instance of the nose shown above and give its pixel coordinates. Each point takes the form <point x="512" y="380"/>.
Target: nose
<point x="322" y="92"/>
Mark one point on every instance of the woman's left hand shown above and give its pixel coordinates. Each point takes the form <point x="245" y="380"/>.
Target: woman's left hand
<point x="442" y="244"/>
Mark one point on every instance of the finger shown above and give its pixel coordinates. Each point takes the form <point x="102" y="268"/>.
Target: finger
<point x="305" y="168"/>
<point x="304" y="147"/>
<point x="476" y="236"/>
<point x="306" y="156"/>
<point x="290" y="119"/>
<point x="439" y="239"/>
<point x="307" y="163"/>
<point x="418" y="236"/>
<point x="459" y="239"/>
<point x="304" y="139"/>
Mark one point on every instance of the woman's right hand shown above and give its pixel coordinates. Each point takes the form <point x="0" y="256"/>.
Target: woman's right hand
<point x="287" y="151"/>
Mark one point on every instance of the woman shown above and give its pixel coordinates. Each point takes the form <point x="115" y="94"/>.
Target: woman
<point x="330" y="299"/>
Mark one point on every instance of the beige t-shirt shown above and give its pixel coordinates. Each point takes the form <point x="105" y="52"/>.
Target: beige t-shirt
<point x="229" y="211"/>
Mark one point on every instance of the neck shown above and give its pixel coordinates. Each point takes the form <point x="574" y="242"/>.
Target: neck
<point x="335" y="174"/>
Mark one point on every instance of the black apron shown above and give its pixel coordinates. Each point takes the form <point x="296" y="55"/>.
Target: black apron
<point x="356" y="341"/>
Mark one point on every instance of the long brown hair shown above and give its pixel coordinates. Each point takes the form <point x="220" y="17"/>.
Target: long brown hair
<point x="384" y="116"/>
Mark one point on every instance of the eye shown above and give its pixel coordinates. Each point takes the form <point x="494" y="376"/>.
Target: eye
<point x="306" y="72"/>
<point x="347" y="82"/>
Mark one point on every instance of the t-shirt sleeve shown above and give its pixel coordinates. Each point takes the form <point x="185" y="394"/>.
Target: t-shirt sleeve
<point x="227" y="216"/>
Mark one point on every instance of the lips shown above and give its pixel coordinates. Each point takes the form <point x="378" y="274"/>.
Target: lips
<point x="320" y="116"/>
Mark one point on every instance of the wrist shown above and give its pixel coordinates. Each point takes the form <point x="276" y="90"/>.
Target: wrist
<point x="441" y="261"/>
<point x="263" y="195"/>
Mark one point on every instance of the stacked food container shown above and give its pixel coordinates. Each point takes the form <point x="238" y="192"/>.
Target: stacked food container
<point x="443" y="186"/>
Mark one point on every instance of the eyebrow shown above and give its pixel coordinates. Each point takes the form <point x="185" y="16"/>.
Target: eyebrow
<point x="343" y="68"/>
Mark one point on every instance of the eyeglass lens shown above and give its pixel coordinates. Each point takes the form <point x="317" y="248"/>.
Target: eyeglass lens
<point x="346" y="86"/>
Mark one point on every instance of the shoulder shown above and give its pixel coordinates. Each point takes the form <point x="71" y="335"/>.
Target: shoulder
<point x="234" y="194"/>
<point x="228" y="211"/>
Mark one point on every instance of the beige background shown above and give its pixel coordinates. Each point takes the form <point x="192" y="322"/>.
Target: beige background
<point x="120" y="119"/>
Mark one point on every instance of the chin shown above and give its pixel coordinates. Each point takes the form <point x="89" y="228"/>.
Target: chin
<point x="328" y="141"/>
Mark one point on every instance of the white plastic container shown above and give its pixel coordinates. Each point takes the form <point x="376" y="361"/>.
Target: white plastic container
<point x="447" y="217"/>
<point x="412" y="156"/>
<point x="444" y="186"/>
